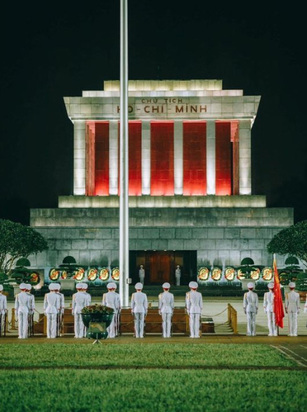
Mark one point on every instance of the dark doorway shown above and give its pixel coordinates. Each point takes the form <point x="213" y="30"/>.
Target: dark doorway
<point x="160" y="265"/>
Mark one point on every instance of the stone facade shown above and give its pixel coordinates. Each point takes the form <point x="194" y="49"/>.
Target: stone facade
<point x="221" y="236"/>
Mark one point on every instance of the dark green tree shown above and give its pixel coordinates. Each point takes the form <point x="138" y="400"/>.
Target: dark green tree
<point x="17" y="241"/>
<point x="292" y="241"/>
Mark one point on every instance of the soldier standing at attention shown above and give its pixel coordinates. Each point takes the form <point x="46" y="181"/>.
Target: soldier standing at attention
<point x="31" y="310"/>
<point x="22" y="308"/>
<point x="112" y="300"/>
<point x="3" y="310"/>
<point x="57" y="288"/>
<point x="51" y="308"/>
<point x="292" y="307"/>
<point x="80" y="299"/>
<point x="142" y="274"/>
<point x="268" y="306"/>
<point x="166" y="308"/>
<point x="194" y="306"/>
<point x="139" y="307"/>
<point x="250" y="306"/>
<point x="178" y="275"/>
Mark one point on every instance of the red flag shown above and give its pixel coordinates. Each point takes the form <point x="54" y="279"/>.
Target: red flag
<point x="278" y="305"/>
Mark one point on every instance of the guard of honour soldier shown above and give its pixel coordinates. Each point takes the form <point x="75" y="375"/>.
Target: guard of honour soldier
<point x="24" y="310"/>
<point x="166" y="309"/>
<point x="112" y="300"/>
<point x="268" y="306"/>
<point x="194" y="306"/>
<point x="52" y="305"/>
<point x="292" y="308"/>
<point x="250" y="307"/>
<point x="80" y="299"/>
<point x="139" y="308"/>
<point x="54" y="309"/>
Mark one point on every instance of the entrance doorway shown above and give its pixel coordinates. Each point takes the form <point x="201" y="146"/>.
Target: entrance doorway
<point x="160" y="266"/>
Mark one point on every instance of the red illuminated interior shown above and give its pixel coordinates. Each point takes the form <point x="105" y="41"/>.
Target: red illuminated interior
<point x="102" y="158"/>
<point x="135" y="158"/>
<point x="162" y="158"/>
<point x="194" y="158"/>
<point x="223" y="153"/>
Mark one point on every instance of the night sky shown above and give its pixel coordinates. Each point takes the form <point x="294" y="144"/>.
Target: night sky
<point x="51" y="53"/>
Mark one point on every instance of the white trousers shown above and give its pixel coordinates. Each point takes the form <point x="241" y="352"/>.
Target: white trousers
<point x="194" y="321"/>
<point x="292" y="323"/>
<point x="80" y="329"/>
<point x="139" y="324"/>
<point x="23" y="324"/>
<point x="166" y="324"/>
<point x="251" y="323"/>
<point x="51" y="325"/>
<point x="271" y="324"/>
<point x="112" y="328"/>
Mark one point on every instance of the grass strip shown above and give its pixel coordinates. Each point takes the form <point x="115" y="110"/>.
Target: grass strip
<point x="145" y="355"/>
<point x="147" y="390"/>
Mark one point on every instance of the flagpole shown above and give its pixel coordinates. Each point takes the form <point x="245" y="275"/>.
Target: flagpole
<point x="124" y="168"/>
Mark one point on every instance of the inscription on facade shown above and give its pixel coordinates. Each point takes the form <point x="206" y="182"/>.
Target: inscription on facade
<point x="164" y="106"/>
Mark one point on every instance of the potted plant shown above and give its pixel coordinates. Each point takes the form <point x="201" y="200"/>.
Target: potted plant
<point x="97" y="318"/>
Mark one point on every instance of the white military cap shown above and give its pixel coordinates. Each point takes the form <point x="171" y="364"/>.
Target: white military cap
<point x="271" y="285"/>
<point x="28" y="286"/>
<point x="79" y="285"/>
<point x="111" y="285"/>
<point x="193" y="285"/>
<point x="57" y="286"/>
<point x="22" y="286"/>
<point x="292" y="285"/>
<point x="166" y="285"/>
<point x="250" y="285"/>
<point x="1" y="287"/>
<point x="138" y="285"/>
<point x="51" y="286"/>
<point x="84" y="285"/>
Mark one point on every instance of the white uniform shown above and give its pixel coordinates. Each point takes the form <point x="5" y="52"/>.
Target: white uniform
<point x="31" y="310"/>
<point x="268" y="306"/>
<point x="52" y="305"/>
<point x="22" y="308"/>
<point x="61" y="313"/>
<point x="178" y="276"/>
<point x="139" y="307"/>
<point x="142" y="275"/>
<point x="292" y="306"/>
<point x="80" y="299"/>
<point x="194" y="306"/>
<point x="112" y="300"/>
<point x="3" y="310"/>
<point x="250" y="306"/>
<point x="166" y="308"/>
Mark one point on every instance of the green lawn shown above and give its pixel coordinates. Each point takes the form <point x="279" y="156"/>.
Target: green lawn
<point x="58" y="377"/>
<point x="161" y="355"/>
<point x="152" y="390"/>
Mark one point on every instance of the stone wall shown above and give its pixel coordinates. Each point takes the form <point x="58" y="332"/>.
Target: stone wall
<point x="219" y="235"/>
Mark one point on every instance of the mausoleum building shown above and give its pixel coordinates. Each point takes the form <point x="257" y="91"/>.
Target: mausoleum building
<point x="190" y="194"/>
